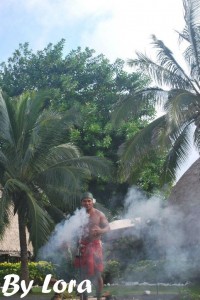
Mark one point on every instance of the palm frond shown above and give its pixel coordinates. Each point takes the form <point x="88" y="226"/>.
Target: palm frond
<point x="5" y="126"/>
<point x="181" y="107"/>
<point x="166" y="59"/>
<point x="62" y="178"/>
<point x="48" y="132"/>
<point x="192" y="12"/>
<point x="4" y="162"/>
<point x="160" y="74"/>
<point x="32" y="123"/>
<point x="64" y="152"/>
<point x="68" y="155"/>
<point x="64" y="198"/>
<point x="5" y="212"/>
<point x="180" y="146"/>
<point x="55" y="213"/>
<point x="40" y="173"/>
<point x="134" y="104"/>
<point x="96" y="166"/>
<point x="41" y="223"/>
<point x="197" y="137"/>
<point x="150" y="137"/>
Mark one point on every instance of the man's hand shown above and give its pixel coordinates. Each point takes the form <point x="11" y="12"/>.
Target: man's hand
<point x="96" y="230"/>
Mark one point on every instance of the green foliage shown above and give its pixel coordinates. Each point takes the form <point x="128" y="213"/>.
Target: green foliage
<point x="125" y="248"/>
<point x="27" y="71"/>
<point x="112" y="271"/>
<point x="191" y="292"/>
<point x="145" y="271"/>
<point x="40" y="173"/>
<point x="147" y="174"/>
<point x="154" y="271"/>
<point x="40" y="170"/>
<point x="151" y="271"/>
<point x="37" y="271"/>
<point x="92" y="85"/>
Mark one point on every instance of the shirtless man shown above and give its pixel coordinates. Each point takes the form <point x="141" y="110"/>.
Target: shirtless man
<point x="91" y="256"/>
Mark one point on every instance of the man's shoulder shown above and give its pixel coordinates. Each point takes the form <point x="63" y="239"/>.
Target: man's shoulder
<point x="100" y="213"/>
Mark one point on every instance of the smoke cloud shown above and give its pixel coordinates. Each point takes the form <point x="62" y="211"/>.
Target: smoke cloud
<point x="160" y="228"/>
<point x="164" y="236"/>
<point x="65" y="236"/>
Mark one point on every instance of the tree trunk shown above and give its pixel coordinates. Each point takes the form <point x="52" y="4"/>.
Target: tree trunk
<point x="24" y="249"/>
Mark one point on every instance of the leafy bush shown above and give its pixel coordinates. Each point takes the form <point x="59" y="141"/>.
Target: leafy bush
<point x="144" y="270"/>
<point x="38" y="270"/>
<point x="112" y="271"/>
<point x="153" y="271"/>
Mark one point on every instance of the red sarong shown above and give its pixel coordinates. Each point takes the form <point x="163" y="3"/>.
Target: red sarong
<point x="91" y="257"/>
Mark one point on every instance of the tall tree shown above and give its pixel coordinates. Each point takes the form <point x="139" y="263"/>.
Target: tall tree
<point x="178" y="90"/>
<point x="93" y="84"/>
<point x="40" y="174"/>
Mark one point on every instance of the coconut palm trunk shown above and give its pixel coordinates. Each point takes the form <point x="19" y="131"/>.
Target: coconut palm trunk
<point x="24" y="250"/>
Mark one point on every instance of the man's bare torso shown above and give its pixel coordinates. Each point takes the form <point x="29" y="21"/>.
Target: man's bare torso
<point x="96" y="221"/>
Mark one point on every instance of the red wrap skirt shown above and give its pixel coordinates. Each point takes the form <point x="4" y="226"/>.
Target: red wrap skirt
<point x="90" y="258"/>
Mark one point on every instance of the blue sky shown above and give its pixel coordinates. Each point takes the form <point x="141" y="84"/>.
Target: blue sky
<point x="114" y="27"/>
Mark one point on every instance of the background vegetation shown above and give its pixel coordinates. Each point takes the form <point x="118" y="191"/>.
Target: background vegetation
<point x="93" y="86"/>
<point x="77" y="122"/>
<point x="37" y="271"/>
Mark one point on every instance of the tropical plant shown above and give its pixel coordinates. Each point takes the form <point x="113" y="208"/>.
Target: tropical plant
<point x="40" y="174"/>
<point x="93" y="84"/>
<point x="37" y="270"/>
<point x="178" y="91"/>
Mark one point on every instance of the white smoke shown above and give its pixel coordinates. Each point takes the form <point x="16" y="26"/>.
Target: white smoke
<point x="137" y="205"/>
<point x="65" y="236"/>
<point x="161" y="228"/>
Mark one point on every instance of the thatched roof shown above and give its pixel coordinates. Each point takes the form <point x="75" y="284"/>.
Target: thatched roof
<point x="186" y="192"/>
<point x="10" y="242"/>
<point x="186" y="197"/>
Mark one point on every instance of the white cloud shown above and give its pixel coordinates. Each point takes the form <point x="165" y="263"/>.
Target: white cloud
<point x="130" y="25"/>
<point x="115" y="28"/>
<point x="62" y="12"/>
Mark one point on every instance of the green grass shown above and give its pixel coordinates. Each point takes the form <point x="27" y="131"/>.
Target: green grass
<point x="192" y="292"/>
<point x="139" y="290"/>
<point x="38" y="290"/>
<point x="34" y="291"/>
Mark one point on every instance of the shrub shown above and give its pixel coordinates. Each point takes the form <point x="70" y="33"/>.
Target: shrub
<point x="153" y="271"/>
<point x="112" y="271"/>
<point x="38" y="270"/>
<point x="144" y="270"/>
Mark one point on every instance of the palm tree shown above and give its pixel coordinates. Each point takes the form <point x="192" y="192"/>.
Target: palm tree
<point x="39" y="174"/>
<point x="177" y="90"/>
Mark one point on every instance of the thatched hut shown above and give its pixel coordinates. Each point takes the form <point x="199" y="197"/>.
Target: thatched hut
<point x="186" y="197"/>
<point x="10" y="245"/>
<point x="187" y="189"/>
